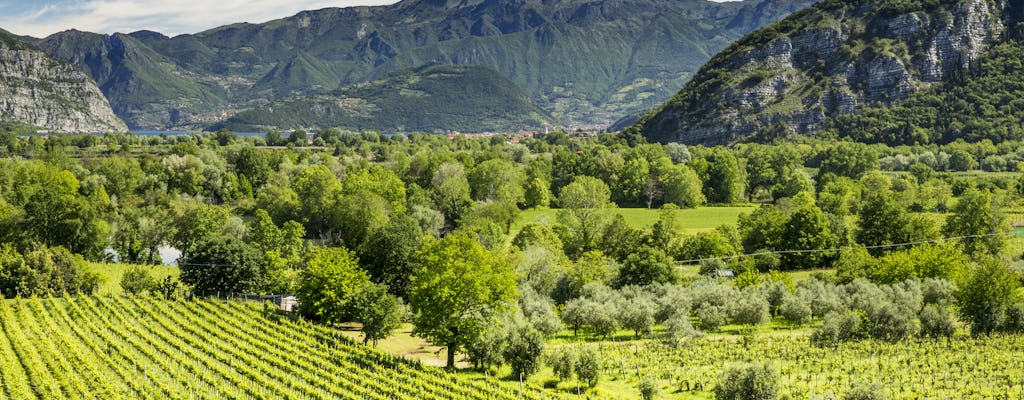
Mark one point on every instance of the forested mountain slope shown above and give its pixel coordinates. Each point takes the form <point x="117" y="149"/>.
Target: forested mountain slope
<point x="434" y="98"/>
<point x="585" y="61"/>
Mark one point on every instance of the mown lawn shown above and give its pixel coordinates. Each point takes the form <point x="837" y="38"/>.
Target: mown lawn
<point x="690" y="220"/>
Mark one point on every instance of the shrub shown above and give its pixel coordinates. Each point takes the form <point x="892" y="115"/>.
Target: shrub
<point x="795" y="310"/>
<point x="525" y="345"/>
<point x="866" y="391"/>
<point x="936" y="322"/>
<point x="841" y="327"/>
<point x="748" y="382"/>
<point x="562" y="363"/>
<point x="710" y="317"/>
<point x="648" y="387"/>
<point x="137" y="279"/>
<point x="588" y="368"/>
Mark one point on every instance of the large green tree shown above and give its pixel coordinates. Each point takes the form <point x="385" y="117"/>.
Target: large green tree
<point x="977" y="218"/>
<point x="330" y="284"/>
<point x="458" y="289"/>
<point x="222" y="264"/>
<point x="984" y="294"/>
<point x="584" y="203"/>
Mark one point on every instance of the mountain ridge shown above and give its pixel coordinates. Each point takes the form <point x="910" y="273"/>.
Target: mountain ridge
<point x="432" y="99"/>
<point x="585" y="61"/>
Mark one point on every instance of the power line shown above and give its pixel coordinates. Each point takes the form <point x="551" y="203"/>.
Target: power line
<point x="837" y="249"/>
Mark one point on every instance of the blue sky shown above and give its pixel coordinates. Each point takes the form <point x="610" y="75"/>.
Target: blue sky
<point x="40" y="18"/>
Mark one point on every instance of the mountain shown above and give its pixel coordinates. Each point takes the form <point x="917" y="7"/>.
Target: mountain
<point x="42" y="92"/>
<point x="435" y="98"/>
<point x="585" y="61"/>
<point x="894" y="71"/>
<point x="144" y="87"/>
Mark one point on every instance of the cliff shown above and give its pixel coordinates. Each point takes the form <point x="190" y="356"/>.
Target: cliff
<point x="46" y="93"/>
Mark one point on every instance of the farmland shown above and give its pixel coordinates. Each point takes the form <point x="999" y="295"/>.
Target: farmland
<point x="137" y="348"/>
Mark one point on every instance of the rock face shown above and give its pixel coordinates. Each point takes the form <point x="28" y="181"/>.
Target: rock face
<point x="40" y="91"/>
<point x="833" y="58"/>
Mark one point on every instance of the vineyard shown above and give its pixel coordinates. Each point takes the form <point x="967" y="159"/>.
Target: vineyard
<point x="138" y="348"/>
<point x="960" y="368"/>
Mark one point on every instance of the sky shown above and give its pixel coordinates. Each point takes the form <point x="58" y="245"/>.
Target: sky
<point x="40" y="18"/>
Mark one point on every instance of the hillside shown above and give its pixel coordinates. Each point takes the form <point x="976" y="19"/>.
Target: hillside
<point x="891" y="71"/>
<point x="141" y="348"/>
<point x="437" y="98"/>
<point x="43" y="92"/>
<point x="584" y="61"/>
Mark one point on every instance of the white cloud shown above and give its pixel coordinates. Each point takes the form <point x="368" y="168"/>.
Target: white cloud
<point x="170" y="17"/>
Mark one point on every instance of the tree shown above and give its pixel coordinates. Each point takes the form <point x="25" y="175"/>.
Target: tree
<point x="807" y="228"/>
<point x="725" y="181"/>
<point x="330" y="285"/>
<point x="379" y="312"/>
<point x="983" y="296"/>
<point x="55" y="217"/>
<point x="583" y="205"/>
<point x="978" y="217"/>
<point x="388" y="254"/>
<point x="648" y="387"/>
<point x="451" y="191"/>
<point x="849" y="159"/>
<point x="748" y="382"/>
<point x="319" y="189"/>
<point x="222" y="264"/>
<point x="682" y="187"/>
<point x="538" y="193"/>
<point x="866" y="391"/>
<point x="561" y="363"/>
<point x="195" y="223"/>
<point x="638" y="315"/>
<point x="751" y="309"/>
<point x="456" y="291"/>
<point x="646" y="266"/>
<point x="795" y="310"/>
<point x="497" y="179"/>
<point x="44" y="271"/>
<point x="524" y="349"/>
<point x="885" y="221"/>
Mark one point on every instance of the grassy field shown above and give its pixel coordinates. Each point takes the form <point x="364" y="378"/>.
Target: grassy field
<point x="111" y="273"/>
<point x="690" y="220"/>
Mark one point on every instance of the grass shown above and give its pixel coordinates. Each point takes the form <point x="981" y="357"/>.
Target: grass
<point x="690" y="220"/>
<point x="403" y="343"/>
<point x="111" y="273"/>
